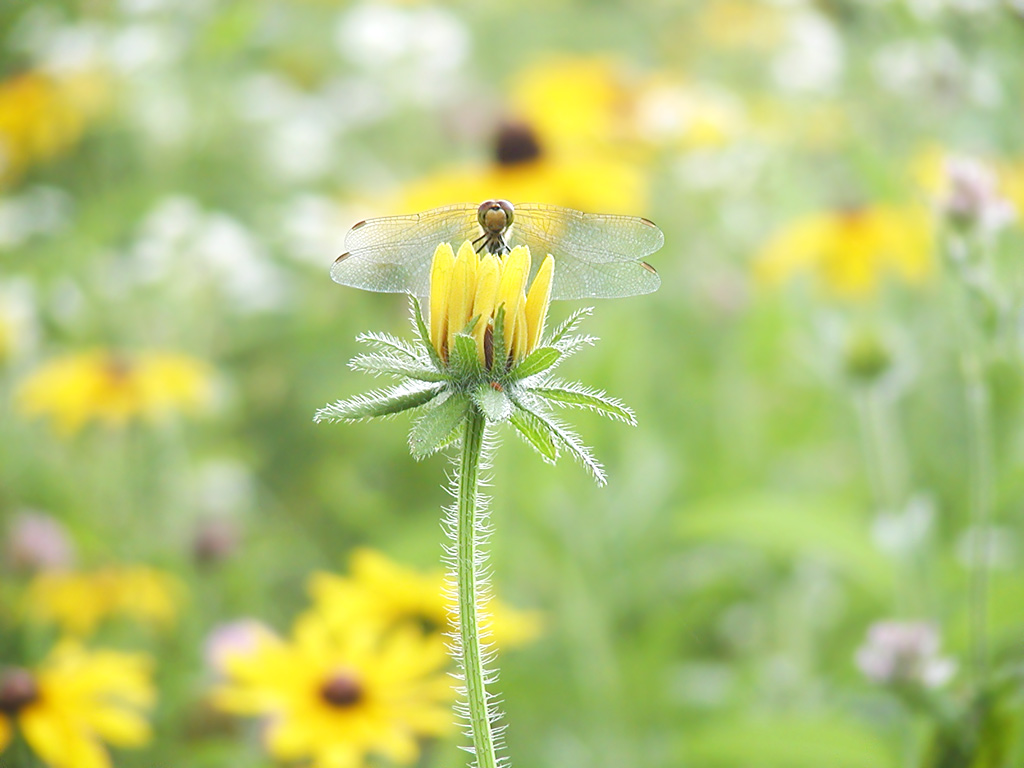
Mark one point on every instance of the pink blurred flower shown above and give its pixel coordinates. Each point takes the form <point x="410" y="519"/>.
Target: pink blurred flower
<point x="904" y="652"/>
<point x="37" y="542"/>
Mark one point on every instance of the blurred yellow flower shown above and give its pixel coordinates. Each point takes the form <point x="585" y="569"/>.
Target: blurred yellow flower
<point x="76" y="700"/>
<point x="573" y="102"/>
<point x="42" y="115"/>
<point x="113" y="389"/>
<point x="526" y="169"/>
<point x="336" y="696"/>
<point x="79" y="601"/>
<point x="384" y="595"/>
<point x="849" y="251"/>
<point x="742" y="25"/>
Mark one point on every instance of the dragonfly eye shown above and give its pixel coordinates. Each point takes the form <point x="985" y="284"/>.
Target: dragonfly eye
<point x="494" y="215"/>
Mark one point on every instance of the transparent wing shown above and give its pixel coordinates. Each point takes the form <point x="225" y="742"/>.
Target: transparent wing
<point x="597" y="256"/>
<point x="392" y="254"/>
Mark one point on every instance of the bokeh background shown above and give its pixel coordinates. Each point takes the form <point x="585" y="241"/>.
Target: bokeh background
<point x="813" y="380"/>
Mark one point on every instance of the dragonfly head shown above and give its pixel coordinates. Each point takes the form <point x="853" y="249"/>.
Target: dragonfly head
<point x="495" y="216"/>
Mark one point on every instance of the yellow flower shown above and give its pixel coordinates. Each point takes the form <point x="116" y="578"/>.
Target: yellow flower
<point x="849" y="251"/>
<point x="383" y="595"/>
<point x="471" y="286"/>
<point x="337" y="696"/>
<point x="742" y="25"/>
<point x="78" y="602"/>
<point x="113" y="389"/>
<point x="76" y="700"/>
<point x="526" y="168"/>
<point x="43" y="115"/>
<point x="573" y="102"/>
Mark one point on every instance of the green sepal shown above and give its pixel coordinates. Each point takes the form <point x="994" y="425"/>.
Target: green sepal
<point x="566" y="438"/>
<point x="493" y="403"/>
<point x="438" y="424"/>
<point x="499" y="354"/>
<point x="570" y="324"/>
<point x="377" y="363"/>
<point x="536" y="433"/>
<point x="385" y="342"/>
<point x="382" y="402"/>
<point x="422" y="334"/>
<point x="463" y="361"/>
<point x="538" y="361"/>
<point x="578" y="396"/>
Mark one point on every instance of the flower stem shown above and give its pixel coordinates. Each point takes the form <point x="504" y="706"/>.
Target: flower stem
<point x="468" y="580"/>
<point x="979" y="446"/>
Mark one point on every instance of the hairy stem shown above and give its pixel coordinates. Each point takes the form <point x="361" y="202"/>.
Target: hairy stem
<point x="468" y="588"/>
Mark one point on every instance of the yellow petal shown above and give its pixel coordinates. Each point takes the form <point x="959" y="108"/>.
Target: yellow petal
<point x="59" y="744"/>
<point x="440" y="282"/>
<point x="514" y="271"/>
<point x="120" y="727"/>
<point x="487" y="279"/>
<point x="537" y="303"/>
<point x="462" y="291"/>
<point x="519" y="338"/>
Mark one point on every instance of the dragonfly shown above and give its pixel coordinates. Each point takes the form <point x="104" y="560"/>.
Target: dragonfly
<point x="597" y="256"/>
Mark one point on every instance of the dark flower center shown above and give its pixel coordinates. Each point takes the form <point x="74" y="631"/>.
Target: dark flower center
<point x="342" y="690"/>
<point x="18" y="689"/>
<point x="516" y="143"/>
<point x="427" y="624"/>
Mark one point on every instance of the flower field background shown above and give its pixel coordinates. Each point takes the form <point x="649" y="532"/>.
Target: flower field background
<point x="809" y="551"/>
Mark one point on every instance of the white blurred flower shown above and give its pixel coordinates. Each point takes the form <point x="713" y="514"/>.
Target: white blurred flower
<point x="904" y="531"/>
<point x="199" y="247"/>
<point x="139" y="48"/>
<point x="19" y="331"/>
<point x="901" y="652"/>
<point x="937" y="66"/>
<point x="36" y="541"/>
<point x="972" y="195"/>
<point x="314" y="228"/>
<point x="411" y="52"/>
<point x="223" y="487"/>
<point x="375" y="35"/>
<point x="812" y="57"/>
<point x="38" y="210"/>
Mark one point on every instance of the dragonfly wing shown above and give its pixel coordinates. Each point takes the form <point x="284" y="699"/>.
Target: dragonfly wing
<point x="392" y="254"/>
<point x="596" y="255"/>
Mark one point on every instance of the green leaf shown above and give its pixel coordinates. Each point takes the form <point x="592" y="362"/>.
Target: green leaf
<point x="377" y="363"/>
<point x="566" y="437"/>
<point x="435" y="428"/>
<point x="569" y="325"/>
<point x="576" y="395"/>
<point x="422" y="334"/>
<point x="382" y="402"/>
<point x="827" y="529"/>
<point x="463" y="362"/>
<point x="538" y="361"/>
<point x="536" y="433"/>
<point x="493" y="403"/>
